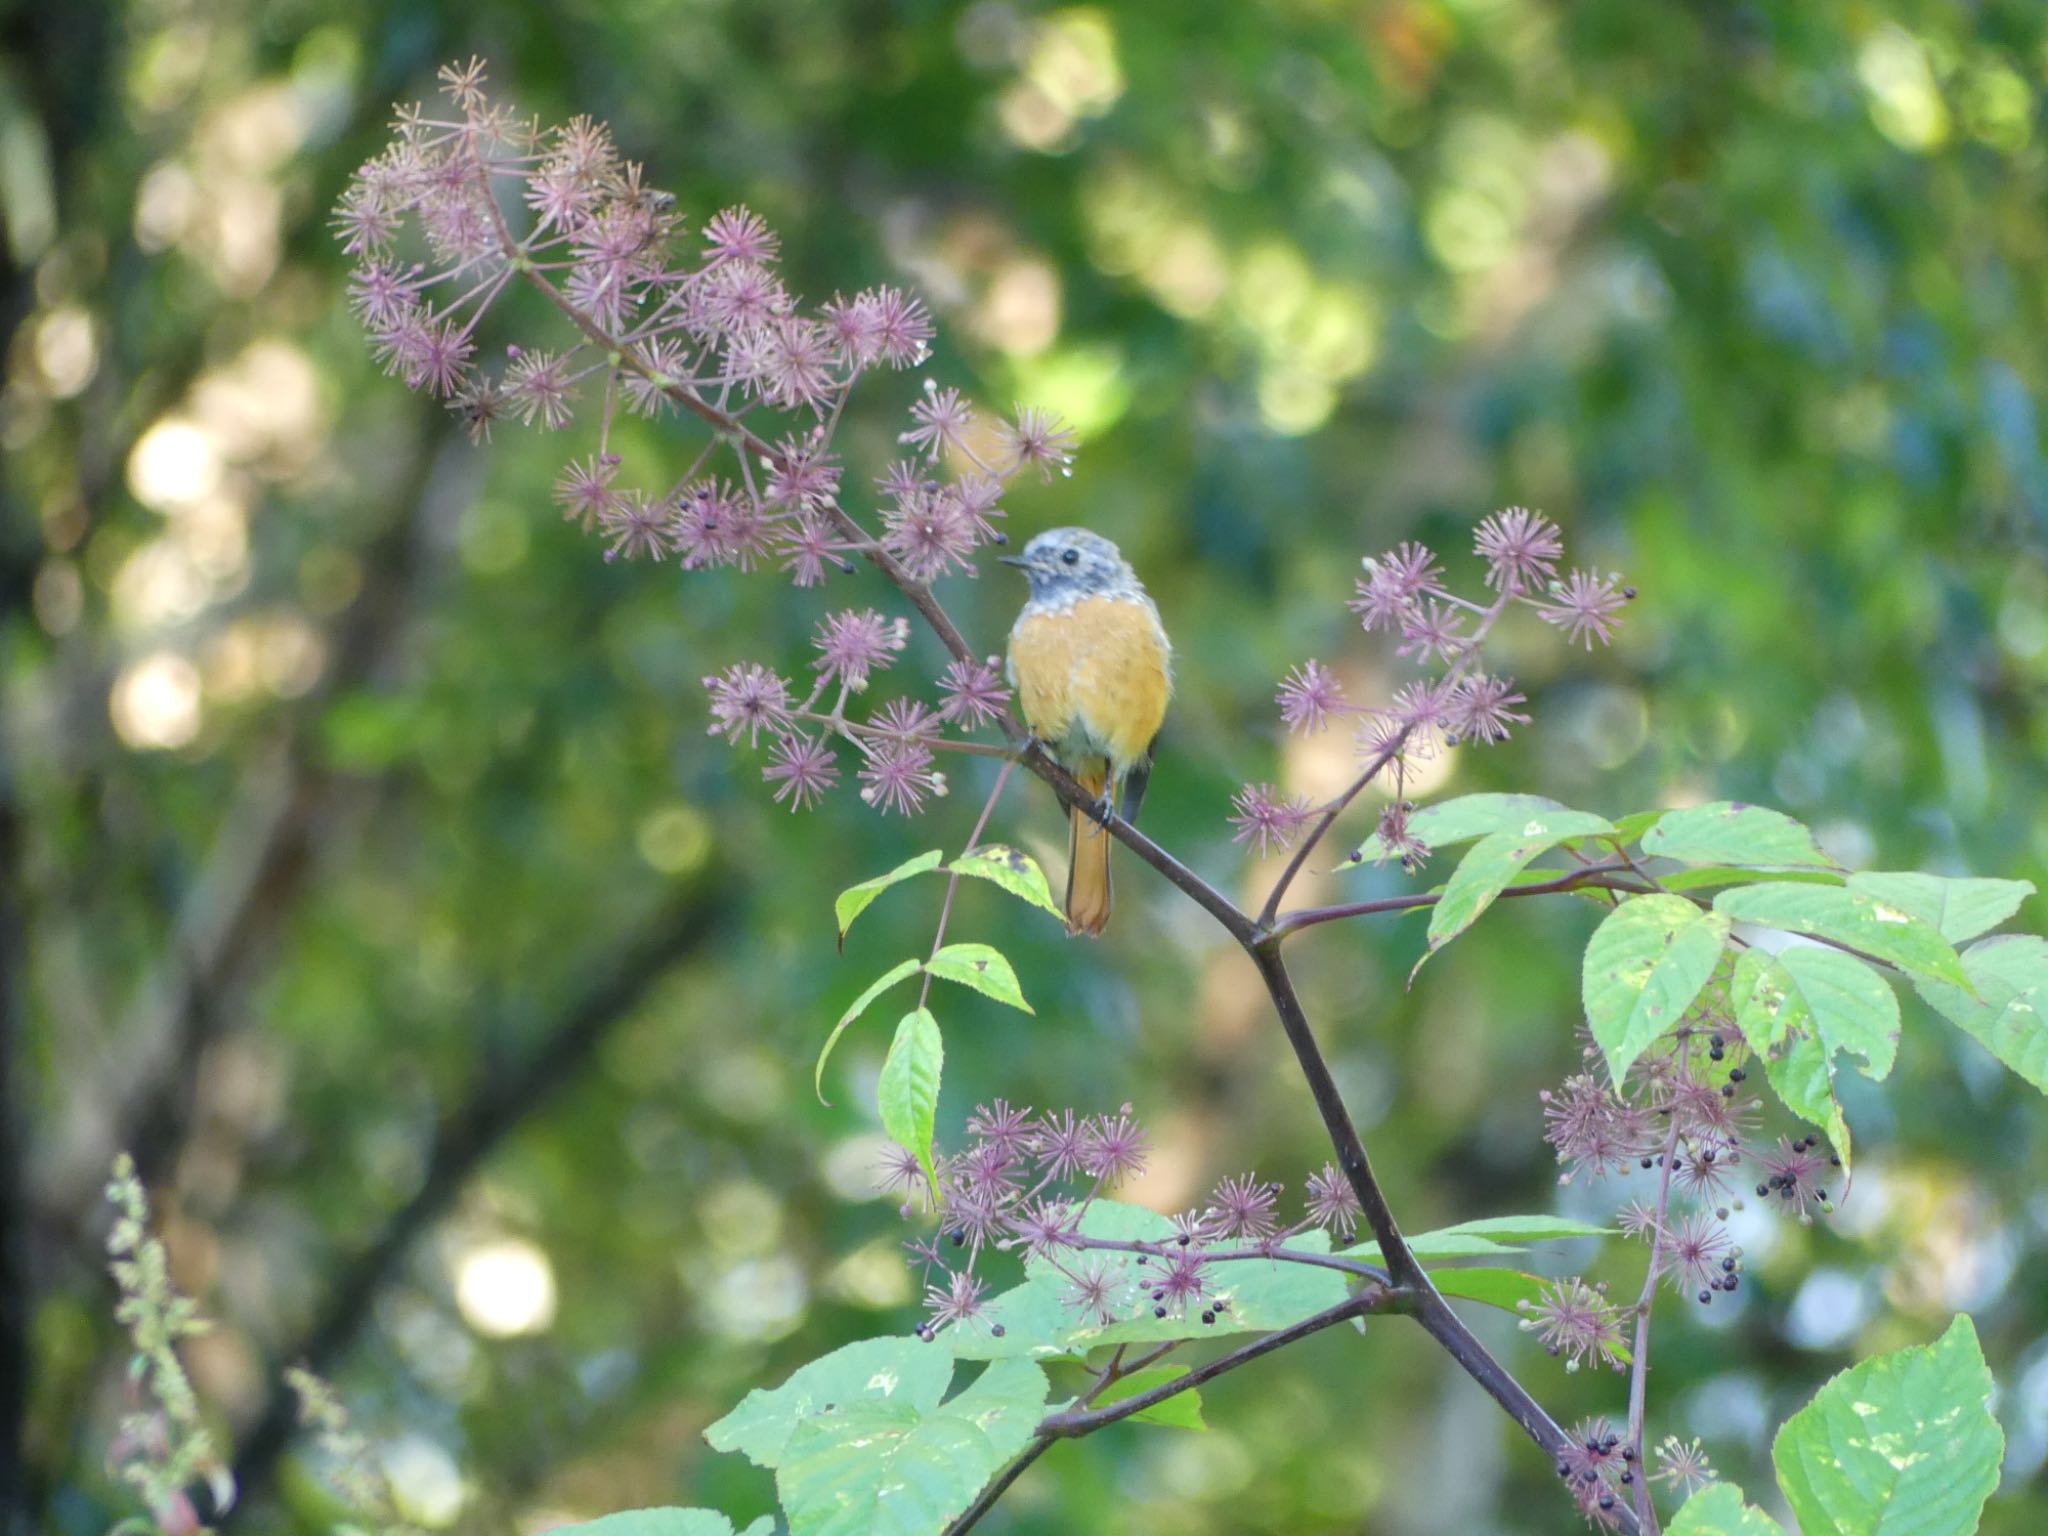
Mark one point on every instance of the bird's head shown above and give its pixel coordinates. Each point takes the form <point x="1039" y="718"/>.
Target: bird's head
<point x="1065" y="564"/>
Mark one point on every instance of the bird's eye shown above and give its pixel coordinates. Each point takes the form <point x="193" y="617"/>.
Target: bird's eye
<point x="1071" y="556"/>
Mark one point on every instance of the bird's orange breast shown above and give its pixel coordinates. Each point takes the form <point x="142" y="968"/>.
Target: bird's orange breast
<point x="1094" y="678"/>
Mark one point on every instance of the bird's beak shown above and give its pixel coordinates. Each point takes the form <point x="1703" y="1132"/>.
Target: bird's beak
<point x="1017" y="560"/>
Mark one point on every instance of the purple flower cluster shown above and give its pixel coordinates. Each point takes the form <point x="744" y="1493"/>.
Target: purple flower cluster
<point x="1403" y="592"/>
<point x="471" y="200"/>
<point x="1025" y="1183"/>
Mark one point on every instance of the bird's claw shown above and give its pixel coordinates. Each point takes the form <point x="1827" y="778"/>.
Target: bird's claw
<point x="1100" y="810"/>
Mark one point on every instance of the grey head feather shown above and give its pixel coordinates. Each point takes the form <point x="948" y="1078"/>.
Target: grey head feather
<point x="1065" y="565"/>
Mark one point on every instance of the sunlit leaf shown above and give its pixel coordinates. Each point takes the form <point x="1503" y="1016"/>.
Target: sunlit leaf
<point x="886" y="1469"/>
<point x="856" y="899"/>
<point x="1960" y="908"/>
<point x="2009" y="1014"/>
<point x="1861" y="921"/>
<point x="1459" y="820"/>
<point x="1728" y="832"/>
<point x="1012" y="869"/>
<point x="1643" y="967"/>
<point x="1494" y="862"/>
<point x="1775" y="1012"/>
<point x="904" y="1371"/>
<point x="981" y="967"/>
<point x="1902" y="1445"/>
<point x="1719" y="1511"/>
<point x="907" y="1092"/>
<point x="889" y="978"/>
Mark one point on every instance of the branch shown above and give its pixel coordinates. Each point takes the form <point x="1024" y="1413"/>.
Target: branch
<point x="1639" y="1364"/>
<point x="1072" y="1423"/>
<point x="467" y="1138"/>
<point x="1600" y="876"/>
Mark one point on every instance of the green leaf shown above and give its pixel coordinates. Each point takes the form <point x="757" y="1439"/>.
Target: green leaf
<point x="1458" y="820"/>
<point x="1779" y="1003"/>
<point x="1876" y="928"/>
<point x="1520" y="1229"/>
<point x="905" y="1372"/>
<point x="1494" y="861"/>
<point x="1181" y="1411"/>
<point x="2009" y="1014"/>
<point x="907" y="1092"/>
<point x="1719" y="1511"/>
<point x="982" y="967"/>
<point x="899" y="972"/>
<point x="1038" y="1322"/>
<point x="1728" y="832"/>
<point x="1961" y="908"/>
<point x="1504" y="1288"/>
<point x="1644" y="966"/>
<point x="856" y="899"/>
<point x="661" y="1522"/>
<point x="1902" y="1445"/>
<point x="1485" y="1238"/>
<point x="1630" y="828"/>
<point x="1012" y="869"/>
<point x="886" y="1469"/>
<point x="1722" y="874"/>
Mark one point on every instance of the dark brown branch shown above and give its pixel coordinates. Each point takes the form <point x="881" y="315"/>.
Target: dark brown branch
<point x="466" y="1139"/>
<point x="1600" y="876"/>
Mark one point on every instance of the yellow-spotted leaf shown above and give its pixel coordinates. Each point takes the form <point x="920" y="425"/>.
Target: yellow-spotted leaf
<point x="1643" y="968"/>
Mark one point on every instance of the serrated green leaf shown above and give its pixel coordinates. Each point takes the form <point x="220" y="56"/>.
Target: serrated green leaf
<point x="982" y="967"/>
<point x="654" y="1522"/>
<point x="2009" y="1014"/>
<point x="907" y="1092"/>
<point x="1873" y="927"/>
<point x="1960" y="908"/>
<point x="1902" y="1445"/>
<point x="856" y="899"/>
<point x="1722" y="874"/>
<point x="896" y="973"/>
<point x="1458" y="820"/>
<point x="1181" y="1411"/>
<point x="1728" y="832"/>
<point x="884" y="1469"/>
<point x="1643" y="967"/>
<point x="1719" y="1511"/>
<point x="903" y="1371"/>
<point x="1012" y="869"/>
<point x="1494" y="862"/>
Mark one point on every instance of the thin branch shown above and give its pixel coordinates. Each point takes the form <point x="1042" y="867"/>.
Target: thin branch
<point x="1639" y="1365"/>
<point x="953" y="875"/>
<point x="1594" y="875"/>
<point x="1072" y="1423"/>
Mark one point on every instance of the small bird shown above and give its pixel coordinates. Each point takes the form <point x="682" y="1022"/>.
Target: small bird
<point x="1093" y="671"/>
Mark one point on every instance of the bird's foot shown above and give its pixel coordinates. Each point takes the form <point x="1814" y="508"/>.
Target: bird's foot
<point x="1101" y="809"/>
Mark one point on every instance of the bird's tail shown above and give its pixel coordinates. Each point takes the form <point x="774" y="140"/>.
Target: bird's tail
<point x="1088" y="846"/>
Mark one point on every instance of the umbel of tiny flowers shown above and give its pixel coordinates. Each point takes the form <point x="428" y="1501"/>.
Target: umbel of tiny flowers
<point x="470" y="200"/>
<point x="1024" y="1183"/>
<point x="1404" y="592"/>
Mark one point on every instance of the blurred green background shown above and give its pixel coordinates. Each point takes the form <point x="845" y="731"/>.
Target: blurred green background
<point x="368" y="871"/>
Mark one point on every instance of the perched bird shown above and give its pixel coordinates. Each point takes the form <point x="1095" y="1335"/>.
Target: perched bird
<point x="1093" y="671"/>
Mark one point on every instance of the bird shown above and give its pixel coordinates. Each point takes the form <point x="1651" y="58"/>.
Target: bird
<point x="1093" y="671"/>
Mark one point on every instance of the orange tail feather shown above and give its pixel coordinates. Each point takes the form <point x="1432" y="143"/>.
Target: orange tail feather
<point x="1088" y="892"/>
